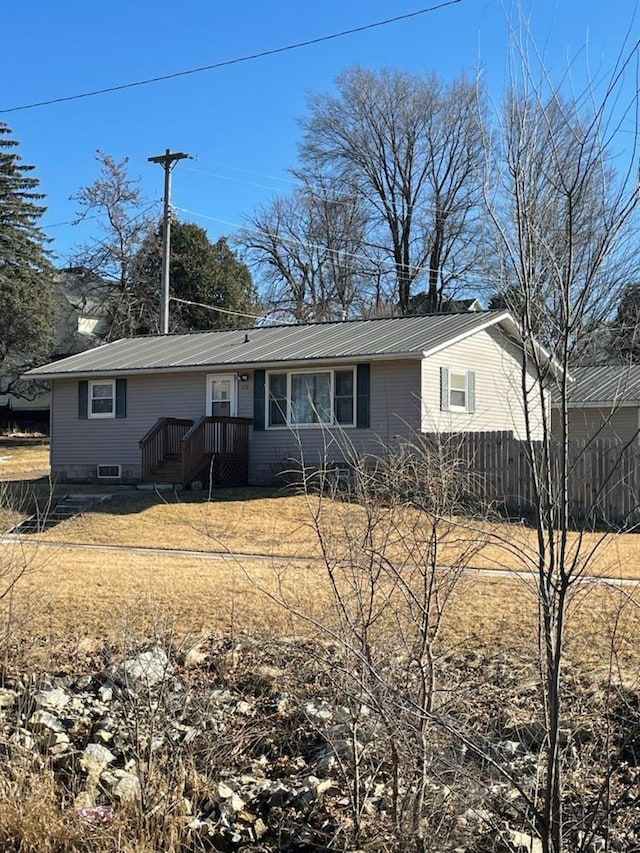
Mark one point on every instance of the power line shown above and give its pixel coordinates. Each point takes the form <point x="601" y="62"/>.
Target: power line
<point x="216" y="308"/>
<point x="226" y="62"/>
<point x="371" y="263"/>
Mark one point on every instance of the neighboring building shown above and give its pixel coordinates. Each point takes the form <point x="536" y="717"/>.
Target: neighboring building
<point x="603" y="402"/>
<point x="81" y="322"/>
<point x="253" y="401"/>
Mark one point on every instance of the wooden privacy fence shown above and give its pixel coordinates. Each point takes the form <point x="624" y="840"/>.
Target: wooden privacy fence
<point x="603" y="482"/>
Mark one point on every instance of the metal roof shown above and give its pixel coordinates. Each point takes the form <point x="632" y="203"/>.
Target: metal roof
<point x="347" y="339"/>
<point x="605" y="384"/>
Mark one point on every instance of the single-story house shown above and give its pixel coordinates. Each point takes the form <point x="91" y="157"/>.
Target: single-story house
<point x="603" y="402"/>
<point x="156" y="408"/>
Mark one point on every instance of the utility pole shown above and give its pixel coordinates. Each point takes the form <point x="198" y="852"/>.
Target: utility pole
<point x="167" y="161"/>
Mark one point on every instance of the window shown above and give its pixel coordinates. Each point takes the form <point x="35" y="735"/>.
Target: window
<point x="102" y="399"/>
<point x="222" y="395"/>
<point x="457" y="390"/>
<point x="108" y="472"/>
<point x="97" y="326"/>
<point x="309" y="398"/>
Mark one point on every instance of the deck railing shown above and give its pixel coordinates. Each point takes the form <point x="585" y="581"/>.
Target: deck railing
<point x="161" y="441"/>
<point x="224" y="438"/>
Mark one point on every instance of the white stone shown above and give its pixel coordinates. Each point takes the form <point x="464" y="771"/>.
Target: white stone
<point x="525" y="842"/>
<point x="95" y="759"/>
<point x="55" y="699"/>
<point x="127" y="789"/>
<point x="148" y="668"/>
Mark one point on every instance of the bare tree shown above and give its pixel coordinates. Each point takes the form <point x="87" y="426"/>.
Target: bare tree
<point x="125" y="218"/>
<point x="410" y="149"/>
<point x="309" y="247"/>
<point x="563" y="219"/>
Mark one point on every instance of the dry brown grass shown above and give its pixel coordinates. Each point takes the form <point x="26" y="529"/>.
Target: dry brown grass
<point x="23" y="457"/>
<point x="248" y="520"/>
<point x="83" y="594"/>
<point x="260" y="521"/>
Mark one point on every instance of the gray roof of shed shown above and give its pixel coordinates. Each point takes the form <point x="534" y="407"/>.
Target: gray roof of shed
<point x="605" y="384"/>
<point x="350" y="339"/>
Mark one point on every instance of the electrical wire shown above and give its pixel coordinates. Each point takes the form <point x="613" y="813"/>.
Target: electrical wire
<point x="226" y="62"/>
<point x="371" y="262"/>
<point x="216" y="308"/>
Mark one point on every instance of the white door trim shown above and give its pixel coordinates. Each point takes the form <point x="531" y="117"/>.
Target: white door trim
<point x="233" y="385"/>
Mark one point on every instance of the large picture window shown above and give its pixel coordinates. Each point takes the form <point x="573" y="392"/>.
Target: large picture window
<point x="311" y="398"/>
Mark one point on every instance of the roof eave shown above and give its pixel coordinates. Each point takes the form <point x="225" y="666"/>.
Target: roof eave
<point x="222" y="366"/>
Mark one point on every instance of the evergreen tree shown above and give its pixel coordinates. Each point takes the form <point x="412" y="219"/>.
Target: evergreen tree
<point x="624" y="342"/>
<point x="201" y="272"/>
<point x="26" y="276"/>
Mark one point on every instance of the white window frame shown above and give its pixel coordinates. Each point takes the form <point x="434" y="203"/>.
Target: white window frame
<point x="115" y="476"/>
<point x="233" y="408"/>
<point x="452" y="406"/>
<point x="319" y="425"/>
<point x="101" y="415"/>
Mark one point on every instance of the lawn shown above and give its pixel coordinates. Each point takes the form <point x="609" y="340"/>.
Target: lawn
<point x="23" y="456"/>
<point x="79" y="593"/>
<point x="262" y="521"/>
<point x="82" y="596"/>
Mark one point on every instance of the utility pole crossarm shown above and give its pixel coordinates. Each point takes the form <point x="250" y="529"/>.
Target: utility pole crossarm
<point x="167" y="161"/>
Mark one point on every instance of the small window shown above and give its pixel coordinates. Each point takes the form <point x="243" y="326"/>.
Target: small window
<point x="102" y="399"/>
<point x="458" y="391"/>
<point x="109" y="472"/>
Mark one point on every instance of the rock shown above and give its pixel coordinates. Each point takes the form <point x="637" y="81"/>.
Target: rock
<point x="54" y="700"/>
<point x="524" y="843"/>
<point x="237" y="803"/>
<point x="95" y="759"/>
<point x="224" y="791"/>
<point x="105" y="692"/>
<point x="127" y="788"/>
<point x="7" y="698"/>
<point x="146" y="670"/>
<point x="41" y="720"/>
<point x="195" y="656"/>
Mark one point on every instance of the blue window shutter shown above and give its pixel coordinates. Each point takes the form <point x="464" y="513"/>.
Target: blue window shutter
<point x="471" y="391"/>
<point x="444" y="389"/>
<point x="83" y="399"/>
<point x="258" y="399"/>
<point x="121" y="398"/>
<point x="363" y="415"/>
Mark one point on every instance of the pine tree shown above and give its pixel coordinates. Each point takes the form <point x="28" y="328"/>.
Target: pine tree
<point x="26" y="276"/>
<point x="211" y="288"/>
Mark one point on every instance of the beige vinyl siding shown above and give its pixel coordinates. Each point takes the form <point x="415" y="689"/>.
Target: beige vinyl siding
<point x="619" y="422"/>
<point x="498" y="387"/>
<point x="394" y="413"/>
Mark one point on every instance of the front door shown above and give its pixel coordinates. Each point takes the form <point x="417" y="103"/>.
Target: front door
<point x="222" y="398"/>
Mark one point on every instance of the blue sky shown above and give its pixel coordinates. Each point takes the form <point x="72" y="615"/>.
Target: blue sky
<point x="240" y="122"/>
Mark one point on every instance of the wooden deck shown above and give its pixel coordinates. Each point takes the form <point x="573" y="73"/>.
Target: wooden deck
<point x="213" y="449"/>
